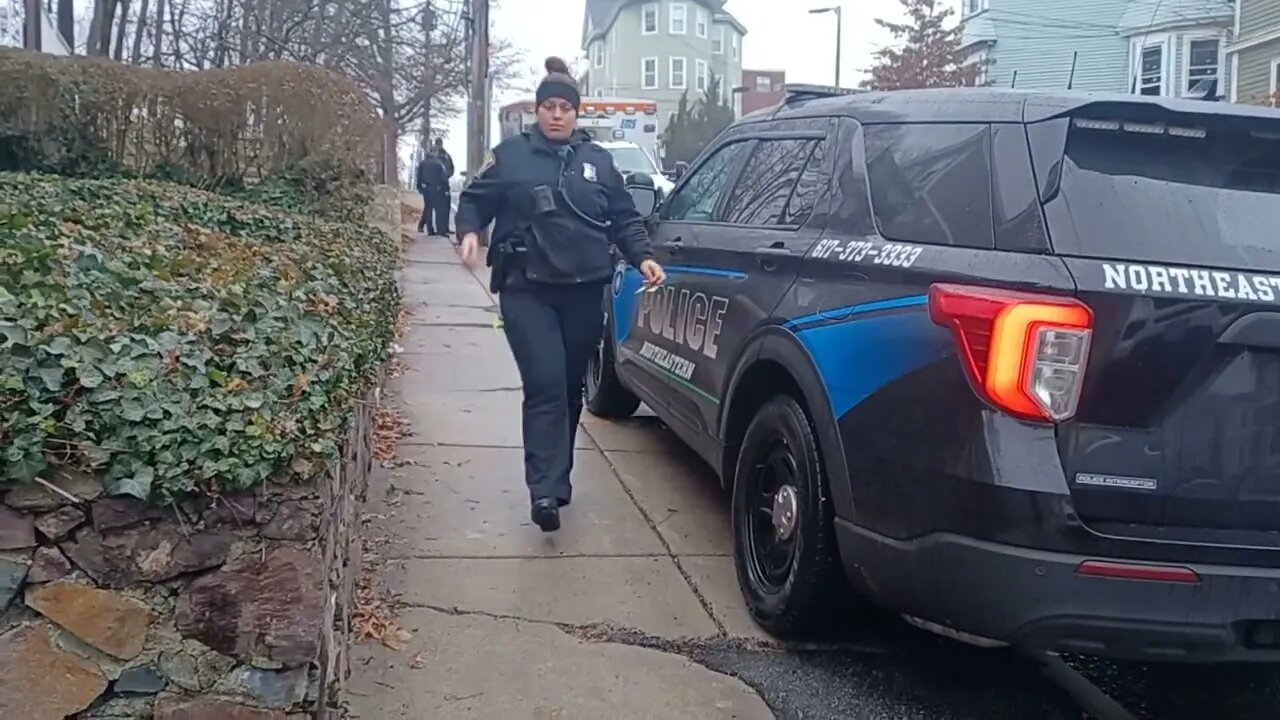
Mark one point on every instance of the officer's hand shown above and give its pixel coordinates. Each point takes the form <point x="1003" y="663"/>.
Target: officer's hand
<point x="469" y="250"/>
<point x="653" y="273"/>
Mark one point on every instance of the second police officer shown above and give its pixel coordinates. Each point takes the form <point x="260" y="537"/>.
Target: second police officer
<point x="557" y="203"/>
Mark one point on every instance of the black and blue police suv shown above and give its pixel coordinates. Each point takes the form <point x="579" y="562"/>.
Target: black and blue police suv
<point x="1008" y="363"/>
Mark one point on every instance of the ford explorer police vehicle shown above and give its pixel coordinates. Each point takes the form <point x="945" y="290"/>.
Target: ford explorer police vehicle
<point x="1008" y="363"/>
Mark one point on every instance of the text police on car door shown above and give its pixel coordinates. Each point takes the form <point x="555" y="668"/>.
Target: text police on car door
<point x="557" y="203"/>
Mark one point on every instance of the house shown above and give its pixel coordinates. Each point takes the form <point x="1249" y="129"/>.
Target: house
<point x="13" y="30"/>
<point x="1150" y="47"/>
<point x="1254" y="52"/>
<point x="762" y="89"/>
<point x="660" y="49"/>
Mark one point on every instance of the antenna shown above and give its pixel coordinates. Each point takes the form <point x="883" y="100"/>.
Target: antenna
<point x="1071" y="79"/>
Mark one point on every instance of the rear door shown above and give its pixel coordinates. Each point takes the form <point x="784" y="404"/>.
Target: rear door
<point x="1169" y="220"/>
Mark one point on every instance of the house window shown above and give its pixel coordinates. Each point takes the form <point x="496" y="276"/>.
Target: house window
<point x="1204" y="58"/>
<point x="974" y="6"/>
<point x="700" y="26"/>
<point x="676" y="79"/>
<point x="700" y="75"/>
<point x="717" y="41"/>
<point x="679" y="18"/>
<point x="1151" y="70"/>
<point x="734" y="37"/>
<point x="649" y="20"/>
<point x="1275" y="82"/>
<point x="649" y="73"/>
<point x="597" y="54"/>
<point x="764" y="83"/>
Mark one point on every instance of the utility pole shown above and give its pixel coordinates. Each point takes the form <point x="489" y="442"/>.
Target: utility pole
<point x="478" y="105"/>
<point x="838" y="13"/>
<point x="31" y="39"/>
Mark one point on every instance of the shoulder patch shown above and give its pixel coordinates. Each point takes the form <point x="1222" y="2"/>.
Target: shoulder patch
<point x="489" y="161"/>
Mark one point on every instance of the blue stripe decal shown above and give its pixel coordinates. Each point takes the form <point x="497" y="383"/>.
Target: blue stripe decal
<point x="625" y="304"/>
<point x="843" y="313"/>
<point x="858" y="359"/>
<point x="713" y="272"/>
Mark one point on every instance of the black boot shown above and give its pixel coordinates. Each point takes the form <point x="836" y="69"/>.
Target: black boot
<point x="546" y="514"/>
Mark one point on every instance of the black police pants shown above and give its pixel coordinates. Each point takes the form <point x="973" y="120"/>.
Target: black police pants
<point x="439" y="202"/>
<point x="552" y="330"/>
<point x="425" y="221"/>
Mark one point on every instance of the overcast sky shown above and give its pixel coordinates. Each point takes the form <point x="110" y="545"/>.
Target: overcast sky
<point x="781" y="35"/>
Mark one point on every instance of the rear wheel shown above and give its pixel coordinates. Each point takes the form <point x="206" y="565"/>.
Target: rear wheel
<point x="784" y="543"/>
<point x="606" y="396"/>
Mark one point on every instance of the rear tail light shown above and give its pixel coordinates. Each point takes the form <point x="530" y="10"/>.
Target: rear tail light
<point x="1024" y="353"/>
<point x="1129" y="571"/>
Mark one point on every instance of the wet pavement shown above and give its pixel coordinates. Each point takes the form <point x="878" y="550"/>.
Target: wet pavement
<point x="632" y="610"/>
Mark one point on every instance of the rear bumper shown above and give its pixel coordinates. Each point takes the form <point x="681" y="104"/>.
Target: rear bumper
<point x="1035" y="600"/>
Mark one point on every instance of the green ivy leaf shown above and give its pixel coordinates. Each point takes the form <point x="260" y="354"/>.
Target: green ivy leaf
<point x="89" y="375"/>
<point x="51" y="376"/>
<point x="137" y="485"/>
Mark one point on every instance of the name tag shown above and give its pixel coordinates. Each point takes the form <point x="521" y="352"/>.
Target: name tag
<point x="589" y="171"/>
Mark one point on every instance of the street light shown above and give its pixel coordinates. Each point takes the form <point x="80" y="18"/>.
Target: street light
<point x="837" y="11"/>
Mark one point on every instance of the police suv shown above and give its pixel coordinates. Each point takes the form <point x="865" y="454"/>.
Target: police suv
<point x="1006" y="362"/>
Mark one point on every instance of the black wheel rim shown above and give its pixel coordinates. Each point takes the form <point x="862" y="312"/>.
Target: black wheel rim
<point x="772" y="482"/>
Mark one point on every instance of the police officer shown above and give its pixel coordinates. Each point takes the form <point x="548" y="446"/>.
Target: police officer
<point x="432" y="175"/>
<point x="557" y="203"/>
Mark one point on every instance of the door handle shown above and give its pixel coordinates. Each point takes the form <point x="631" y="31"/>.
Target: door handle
<point x="767" y="255"/>
<point x="673" y="245"/>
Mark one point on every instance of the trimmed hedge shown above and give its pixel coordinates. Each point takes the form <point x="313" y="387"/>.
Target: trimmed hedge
<point x="265" y="130"/>
<point x="179" y="341"/>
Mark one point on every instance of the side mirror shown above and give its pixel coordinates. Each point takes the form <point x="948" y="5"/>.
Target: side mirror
<point x="643" y="193"/>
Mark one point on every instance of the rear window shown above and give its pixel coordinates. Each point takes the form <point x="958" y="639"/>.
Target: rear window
<point x="1183" y="189"/>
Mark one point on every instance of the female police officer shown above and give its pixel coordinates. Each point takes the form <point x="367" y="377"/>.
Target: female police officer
<point x="557" y="204"/>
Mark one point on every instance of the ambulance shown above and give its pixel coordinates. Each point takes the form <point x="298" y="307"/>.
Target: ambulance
<point x="604" y="119"/>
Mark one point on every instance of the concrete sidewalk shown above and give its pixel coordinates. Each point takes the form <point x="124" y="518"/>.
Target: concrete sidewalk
<point x="508" y="622"/>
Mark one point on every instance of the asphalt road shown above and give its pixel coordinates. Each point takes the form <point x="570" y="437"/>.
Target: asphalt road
<point x="875" y="667"/>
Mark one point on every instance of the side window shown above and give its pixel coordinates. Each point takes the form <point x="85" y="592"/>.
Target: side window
<point x="767" y="181"/>
<point x="771" y="176"/>
<point x="850" y="195"/>
<point x="812" y="183"/>
<point x="931" y="183"/>
<point x="697" y="198"/>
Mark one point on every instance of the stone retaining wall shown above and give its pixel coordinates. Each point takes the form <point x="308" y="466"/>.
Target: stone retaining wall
<point x="227" y="608"/>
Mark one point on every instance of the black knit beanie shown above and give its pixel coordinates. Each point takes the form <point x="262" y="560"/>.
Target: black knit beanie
<point x="558" y="84"/>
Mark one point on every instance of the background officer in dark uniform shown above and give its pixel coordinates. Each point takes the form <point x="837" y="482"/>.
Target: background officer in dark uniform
<point x="557" y="203"/>
<point x="442" y="199"/>
<point x="432" y="176"/>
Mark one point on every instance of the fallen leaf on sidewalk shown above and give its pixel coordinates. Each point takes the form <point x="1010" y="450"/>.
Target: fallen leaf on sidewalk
<point x="389" y="428"/>
<point x="418" y="662"/>
<point x="403" y="321"/>
<point x="372" y="619"/>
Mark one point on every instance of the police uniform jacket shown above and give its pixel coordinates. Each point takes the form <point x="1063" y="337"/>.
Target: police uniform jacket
<point x="569" y="243"/>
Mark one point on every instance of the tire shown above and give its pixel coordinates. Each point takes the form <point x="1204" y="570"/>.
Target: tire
<point x="605" y="395"/>
<point x="787" y="589"/>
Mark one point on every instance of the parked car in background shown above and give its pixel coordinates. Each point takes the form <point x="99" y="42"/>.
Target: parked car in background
<point x="631" y="158"/>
